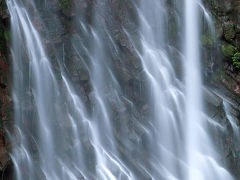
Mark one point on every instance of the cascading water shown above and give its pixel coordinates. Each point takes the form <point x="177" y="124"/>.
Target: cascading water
<point x="199" y="156"/>
<point x="95" y="99"/>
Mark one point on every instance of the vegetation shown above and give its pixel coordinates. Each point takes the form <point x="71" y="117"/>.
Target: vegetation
<point x="230" y="32"/>
<point x="228" y="50"/>
<point x="236" y="60"/>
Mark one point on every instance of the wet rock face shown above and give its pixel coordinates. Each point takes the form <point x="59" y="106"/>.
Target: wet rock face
<point x="117" y="17"/>
<point x="6" y="113"/>
<point x="225" y="134"/>
<point x="226" y="16"/>
<point x="224" y="77"/>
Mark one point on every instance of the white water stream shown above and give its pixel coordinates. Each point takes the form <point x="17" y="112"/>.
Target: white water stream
<point x="64" y="134"/>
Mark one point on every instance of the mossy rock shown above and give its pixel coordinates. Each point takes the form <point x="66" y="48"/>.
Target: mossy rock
<point x="229" y="32"/>
<point x="228" y="50"/>
<point x="66" y="7"/>
<point x="237" y="41"/>
<point x="64" y="4"/>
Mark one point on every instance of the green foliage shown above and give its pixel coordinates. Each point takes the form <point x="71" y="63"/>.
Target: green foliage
<point x="236" y="60"/>
<point x="228" y="50"/>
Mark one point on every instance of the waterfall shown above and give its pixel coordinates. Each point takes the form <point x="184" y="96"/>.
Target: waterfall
<point x="103" y="92"/>
<point x="199" y="155"/>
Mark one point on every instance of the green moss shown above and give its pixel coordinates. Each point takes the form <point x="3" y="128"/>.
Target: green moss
<point x="64" y="4"/>
<point x="236" y="60"/>
<point x="229" y="32"/>
<point x="228" y="50"/>
<point x="7" y="35"/>
<point x="207" y="39"/>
